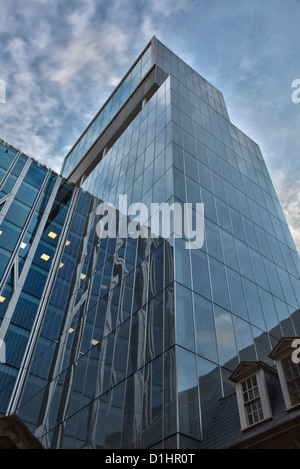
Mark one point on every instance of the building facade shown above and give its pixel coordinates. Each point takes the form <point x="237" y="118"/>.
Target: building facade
<point x="130" y="341"/>
<point x="264" y="411"/>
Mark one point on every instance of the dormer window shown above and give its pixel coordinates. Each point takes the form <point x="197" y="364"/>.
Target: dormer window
<point x="252" y="381"/>
<point x="252" y="401"/>
<point x="288" y="371"/>
<point x="292" y="376"/>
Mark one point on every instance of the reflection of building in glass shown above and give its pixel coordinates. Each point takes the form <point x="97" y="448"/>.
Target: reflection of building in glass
<point x="130" y="343"/>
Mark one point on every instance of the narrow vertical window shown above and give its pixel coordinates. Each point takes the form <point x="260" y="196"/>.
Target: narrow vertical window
<point x="292" y="376"/>
<point x="252" y="401"/>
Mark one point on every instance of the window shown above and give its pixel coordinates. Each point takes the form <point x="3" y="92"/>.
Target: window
<point x="288" y="371"/>
<point x="252" y="401"/>
<point x="253" y="381"/>
<point x="292" y="376"/>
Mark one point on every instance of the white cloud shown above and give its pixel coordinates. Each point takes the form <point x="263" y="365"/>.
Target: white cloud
<point x="62" y="62"/>
<point x="287" y="188"/>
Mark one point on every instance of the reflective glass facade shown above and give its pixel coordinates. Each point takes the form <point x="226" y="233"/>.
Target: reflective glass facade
<point x="108" y="111"/>
<point x="130" y="341"/>
<point x="34" y="204"/>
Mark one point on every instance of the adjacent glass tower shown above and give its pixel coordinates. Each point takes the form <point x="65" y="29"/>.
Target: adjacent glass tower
<point x="128" y="342"/>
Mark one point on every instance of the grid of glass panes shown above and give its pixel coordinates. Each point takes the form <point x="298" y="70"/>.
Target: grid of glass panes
<point x="244" y="282"/>
<point x="177" y="68"/>
<point x="292" y="376"/>
<point x="252" y="402"/>
<point x="116" y="174"/>
<point x="124" y="318"/>
<point x="108" y="111"/>
<point x="7" y="156"/>
<point x="247" y="250"/>
<point x="18" y="212"/>
<point x="247" y="239"/>
<point x="140" y="159"/>
<point x="129" y="355"/>
<point x="25" y="210"/>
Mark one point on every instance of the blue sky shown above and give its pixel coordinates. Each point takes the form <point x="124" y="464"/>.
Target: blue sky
<point x="61" y="59"/>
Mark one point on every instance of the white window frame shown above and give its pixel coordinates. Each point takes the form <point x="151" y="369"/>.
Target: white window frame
<point x="263" y="395"/>
<point x="284" y="385"/>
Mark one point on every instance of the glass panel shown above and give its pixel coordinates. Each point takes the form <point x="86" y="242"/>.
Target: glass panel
<point x="188" y="394"/>
<point x="182" y="263"/>
<point x="225" y="338"/>
<point x="201" y="283"/>
<point x="9" y="184"/>
<point x="27" y="193"/>
<point x="223" y="215"/>
<point x="35" y="175"/>
<point x="268" y="308"/>
<point x="205" y="328"/>
<point x="137" y="342"/>
<point x="17" y="213"/>
<point x="244" y="340"/>
<point x="254" y="306"/>
<point x="213" y="240"/>
<point x="210" y="390"/>
<point x="259" y="270"/>
<point x="244" y="260"/>
<point x="18" y="166"/>
<point x="154" y="336"/>
<point x="115" y="417"/>
<point x="184" y="317"/>
<point x="6" y="156"/>
<point x="9" y="235"/>
<point x="153" y="402"/>
<point x="209" y="205"/>
<point x="229" y="250"/>
<point x="121" y="352"/>
<point x="5" y="257"/>
<point x="219" y="283"/>
<point x="237" y="297"/>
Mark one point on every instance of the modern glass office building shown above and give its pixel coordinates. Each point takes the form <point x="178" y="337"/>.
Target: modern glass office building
<point x="129" y="341"/>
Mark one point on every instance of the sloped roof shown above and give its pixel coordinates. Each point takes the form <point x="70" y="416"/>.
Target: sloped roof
<point x="283" y="344"/>
<point x="245" y="367"/>
<point x="14" y="434"/>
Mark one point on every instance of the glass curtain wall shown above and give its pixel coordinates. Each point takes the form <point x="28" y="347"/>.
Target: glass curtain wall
<point x="141" y="334"/>
<point x="30" y="227"/>
<point x="239" y="294"/>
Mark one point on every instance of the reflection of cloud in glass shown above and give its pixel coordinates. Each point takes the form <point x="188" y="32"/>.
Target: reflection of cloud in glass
<point x="287" y="188"/>
<point x="225" y="335"/>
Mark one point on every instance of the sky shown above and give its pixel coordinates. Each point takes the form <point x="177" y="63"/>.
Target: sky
<point x="61" y="59"/>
